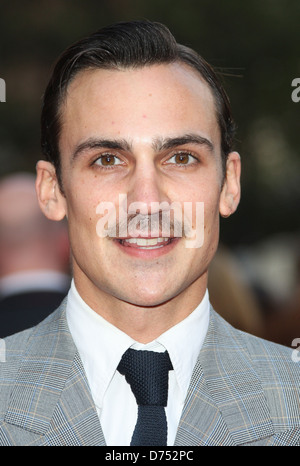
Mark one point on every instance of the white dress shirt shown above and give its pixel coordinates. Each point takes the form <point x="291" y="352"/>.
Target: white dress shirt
<point x="101" y="346"/>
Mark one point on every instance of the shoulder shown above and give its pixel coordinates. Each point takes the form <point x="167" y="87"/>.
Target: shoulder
<point x="265" y="356"/>
<point x="277" y="367"/>
<point x="240" y="339"/>
<point x="262" y="366"/>
<point x="18" y="343"/>
<point x="28" y="345"/>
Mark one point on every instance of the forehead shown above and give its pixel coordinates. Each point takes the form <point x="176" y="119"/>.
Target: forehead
<point x="153" y="101"/>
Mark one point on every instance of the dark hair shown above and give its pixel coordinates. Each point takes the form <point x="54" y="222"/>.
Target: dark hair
<point x="125" y="45"/>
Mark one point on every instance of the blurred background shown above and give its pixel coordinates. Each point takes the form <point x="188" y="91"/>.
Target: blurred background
<point x="255" y="279"/>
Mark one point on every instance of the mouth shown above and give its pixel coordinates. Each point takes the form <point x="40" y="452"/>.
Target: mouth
<point x="147" y="247"/>
<point x="145" y="243"/>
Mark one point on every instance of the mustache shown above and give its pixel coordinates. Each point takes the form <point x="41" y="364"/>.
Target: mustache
<point x="168" y="221"/>
<point x="155" y="224"/>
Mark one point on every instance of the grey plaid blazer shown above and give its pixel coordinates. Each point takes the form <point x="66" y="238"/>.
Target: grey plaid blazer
<point x="244" y="391"/>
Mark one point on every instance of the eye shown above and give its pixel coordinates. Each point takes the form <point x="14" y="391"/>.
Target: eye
<point x="108" y="160"/>
<point x="182" y="158"/>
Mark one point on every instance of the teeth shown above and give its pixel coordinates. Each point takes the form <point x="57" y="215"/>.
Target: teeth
<point x="146" y="241"/>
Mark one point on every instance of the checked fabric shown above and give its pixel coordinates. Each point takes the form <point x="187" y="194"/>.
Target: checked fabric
<point x="147" y="372"/>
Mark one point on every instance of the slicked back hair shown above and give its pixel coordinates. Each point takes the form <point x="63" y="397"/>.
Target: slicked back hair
<point x="124" y="45"/>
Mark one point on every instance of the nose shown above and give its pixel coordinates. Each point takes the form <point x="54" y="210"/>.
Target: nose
<point x="147" y="188"/>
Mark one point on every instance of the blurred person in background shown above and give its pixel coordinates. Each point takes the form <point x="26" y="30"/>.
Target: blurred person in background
<point x="232" y="295"/>
<point x="283" y="325"/>
<point x="34" y="257"/>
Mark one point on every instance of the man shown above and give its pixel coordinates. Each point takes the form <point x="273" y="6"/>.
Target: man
<point x="137" y="127"/>
<point x="34" y="257"/>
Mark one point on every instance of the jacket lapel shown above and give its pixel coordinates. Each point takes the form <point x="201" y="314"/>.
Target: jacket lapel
<point x="56" y="407"/>
<point x="225" y="404"/>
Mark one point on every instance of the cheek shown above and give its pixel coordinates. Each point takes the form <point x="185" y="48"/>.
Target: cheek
<point x="208" y="194"/>
<point x="81" y="215"/>
<point x="210" y="215"/>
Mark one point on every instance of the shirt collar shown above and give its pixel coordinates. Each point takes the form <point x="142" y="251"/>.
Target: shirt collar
<point x="101" y="344"/>
<point x="184" y="342"/>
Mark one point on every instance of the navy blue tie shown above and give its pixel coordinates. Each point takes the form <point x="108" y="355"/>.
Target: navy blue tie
<point x="147" y="372"/>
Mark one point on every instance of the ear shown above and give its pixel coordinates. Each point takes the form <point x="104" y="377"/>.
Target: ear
<point x="51" y="200"/>
<point x="231" y="191"/>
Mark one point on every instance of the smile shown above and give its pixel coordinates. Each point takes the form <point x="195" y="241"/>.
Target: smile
<point x="146" y="243"/>
<point x="146" y="248"/>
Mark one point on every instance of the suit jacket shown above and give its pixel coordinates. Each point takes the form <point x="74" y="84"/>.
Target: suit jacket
<point x="243" y="391"/>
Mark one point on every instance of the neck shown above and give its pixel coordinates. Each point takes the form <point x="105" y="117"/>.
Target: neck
<point x="143" y="323"/>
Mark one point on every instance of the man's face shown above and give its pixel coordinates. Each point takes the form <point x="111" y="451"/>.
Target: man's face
<point x="150" y="135"/>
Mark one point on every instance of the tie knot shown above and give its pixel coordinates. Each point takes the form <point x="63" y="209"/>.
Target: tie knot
<point x="147" y="374"/>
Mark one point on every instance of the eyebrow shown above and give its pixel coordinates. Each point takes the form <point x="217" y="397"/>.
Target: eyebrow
<point x="159" y="144"/>
<point x="169" y="143"/>
<point x="95" y="143"/>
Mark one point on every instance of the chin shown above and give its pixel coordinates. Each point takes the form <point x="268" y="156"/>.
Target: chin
<point x="150" y="299"/>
